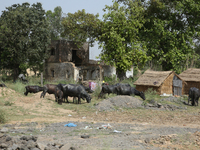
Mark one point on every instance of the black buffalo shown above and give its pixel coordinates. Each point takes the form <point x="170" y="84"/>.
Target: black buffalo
<point x="128" y="90"/>
<point x="52" y="89"/>
<point x="3" y="85"/>
<point x="74" y="90"/>
<point x="87" y="88"/>
<point x="194" y="95"/>
<point x="107" y="89"/>
<point x="33" y="89"/>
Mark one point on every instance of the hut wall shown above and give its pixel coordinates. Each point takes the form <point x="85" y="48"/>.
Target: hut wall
<point x="145" y="88"/>
<point x="167" y="85"/>
<point x="189" y="85"/>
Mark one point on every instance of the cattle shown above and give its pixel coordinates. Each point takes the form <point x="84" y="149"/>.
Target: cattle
<point x="194" y="95"/>
<point x="128" y="90"/>
<point x="59" y="96"/>
<point x="87" y="89"/>
<point x="3" y="85"/>
<point x="74" y="90"/>
<point x="33" y="89"/>
<point x="50" y="89"/>
<point x="107" y="89"/>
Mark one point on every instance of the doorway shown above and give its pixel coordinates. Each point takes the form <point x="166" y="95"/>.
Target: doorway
<point x="75" y="59"/>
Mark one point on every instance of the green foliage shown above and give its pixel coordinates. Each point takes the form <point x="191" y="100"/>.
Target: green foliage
<point x="55" y="19"/>
<point x="24" y="36"/>
<point x="2" y="117"/>
<point x="7" y="103"/>
<point x="151" y="94"/>
<point x="119" y="38"/>
<point x="169" y="32"/>
<point x="18" y="86"/>
<point x="80" y="27"/>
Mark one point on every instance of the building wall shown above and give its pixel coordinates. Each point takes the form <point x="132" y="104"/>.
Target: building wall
<point x="109" y="71"/>
<point x="64" y="52"/>
<point x="167" y="85"/>
<point x="61" y="71"/>
<point x="189" y="85"/>
<point x="144" y="88"/>
<point x="129" y="73"/>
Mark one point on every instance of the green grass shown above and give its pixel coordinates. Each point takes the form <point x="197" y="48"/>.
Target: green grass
<point x="2" y="117"/>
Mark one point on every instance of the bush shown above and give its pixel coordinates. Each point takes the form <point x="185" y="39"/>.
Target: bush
<point x="2" y="117"/>
<point x="7" y="103"/>
<point x="150" y="94"/>
<point x="18" y="86"/>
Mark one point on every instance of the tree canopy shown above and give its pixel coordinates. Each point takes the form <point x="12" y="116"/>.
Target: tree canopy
<point x="55" y="20"/>
<point x="170" y="30"/>
<point x="119" y="38"/>
<point x="24" y="36"/>
<point x="81" y="27"/>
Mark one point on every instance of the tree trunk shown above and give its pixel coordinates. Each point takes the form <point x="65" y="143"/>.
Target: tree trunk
<point x="41" y="78"/>
<point x="16" y="71"/>
<point x="121" y="74"/>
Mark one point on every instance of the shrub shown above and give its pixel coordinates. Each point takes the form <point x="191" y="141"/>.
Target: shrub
<point x="2" y="117"/>
<point x="150" y="94"/>
<point x="7" y="103"/>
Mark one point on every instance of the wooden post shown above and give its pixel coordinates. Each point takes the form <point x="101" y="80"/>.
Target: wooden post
<point x="41" y="77"/>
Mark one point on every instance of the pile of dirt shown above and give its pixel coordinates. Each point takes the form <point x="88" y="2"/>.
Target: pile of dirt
<point x="114" y="103"/>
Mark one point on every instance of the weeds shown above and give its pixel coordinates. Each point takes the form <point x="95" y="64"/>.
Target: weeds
<point x="7" y="103"/>
<point x="2" y="117"/>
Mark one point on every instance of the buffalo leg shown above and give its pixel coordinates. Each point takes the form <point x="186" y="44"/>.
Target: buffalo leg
<point x="188" y="100"/>
<point x="26" y="93"/>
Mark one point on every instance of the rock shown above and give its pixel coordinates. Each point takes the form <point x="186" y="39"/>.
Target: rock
<point x="15" y="146"/>
<point x="4" y="130"/>
<point x="3" y="145"/>
<point x="31" y="144"/>
<point x="8" y="139"/>
<point x="85" y="136"/>
<point x="66" y="147"/>
<point x="35" y="149"/>
<point x="147" y="140"/>
<point x="41" y="146"/>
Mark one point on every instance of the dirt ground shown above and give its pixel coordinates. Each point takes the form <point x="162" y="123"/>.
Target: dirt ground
<point x="120" y="122"/>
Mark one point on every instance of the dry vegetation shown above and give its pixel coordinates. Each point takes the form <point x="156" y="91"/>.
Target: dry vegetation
<point x="18" y="108"/>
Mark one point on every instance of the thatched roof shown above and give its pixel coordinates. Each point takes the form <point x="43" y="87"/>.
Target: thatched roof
<point x="191" y="74"/>
<point x="153" y="78"/>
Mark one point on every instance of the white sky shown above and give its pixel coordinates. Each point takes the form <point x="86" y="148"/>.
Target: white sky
<point x="72" y="6"/>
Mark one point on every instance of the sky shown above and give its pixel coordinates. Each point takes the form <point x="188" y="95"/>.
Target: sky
<point x="68" y="6"/>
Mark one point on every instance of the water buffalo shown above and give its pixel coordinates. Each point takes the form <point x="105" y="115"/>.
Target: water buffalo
<point x="74" y="90"/>
<point x="128" y="90"/>
<point x="3" y="85"/>
<point x="33" y="89"/>
<point x="50" y="89"/>
<point x="194" y="95"/>
<point x="107" y="89"/>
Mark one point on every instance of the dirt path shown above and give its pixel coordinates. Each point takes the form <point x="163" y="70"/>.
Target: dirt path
<point x="107" y="126"/>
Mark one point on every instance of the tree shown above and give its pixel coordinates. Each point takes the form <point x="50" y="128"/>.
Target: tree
<point x="119" y="38"/>
<point x="24" y="36"/>
<point x="81" y="27"/>
<point x="55" y="20"/>
<point x="169" y="32"/>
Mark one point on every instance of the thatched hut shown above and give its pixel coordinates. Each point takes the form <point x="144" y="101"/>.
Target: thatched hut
<point x="164" y="82"/>
<point x="192" y="77"/>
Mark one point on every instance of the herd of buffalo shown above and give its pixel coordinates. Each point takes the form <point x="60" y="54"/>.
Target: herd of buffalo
<point x="62" y="91"/>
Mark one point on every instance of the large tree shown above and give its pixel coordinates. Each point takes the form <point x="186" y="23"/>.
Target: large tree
<point x="81" y="27"/>
<point x="24" y="36"/>
<point x="55" y="19"/>
<point x="169" y="32"/>
<point x="119" y="38"/>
